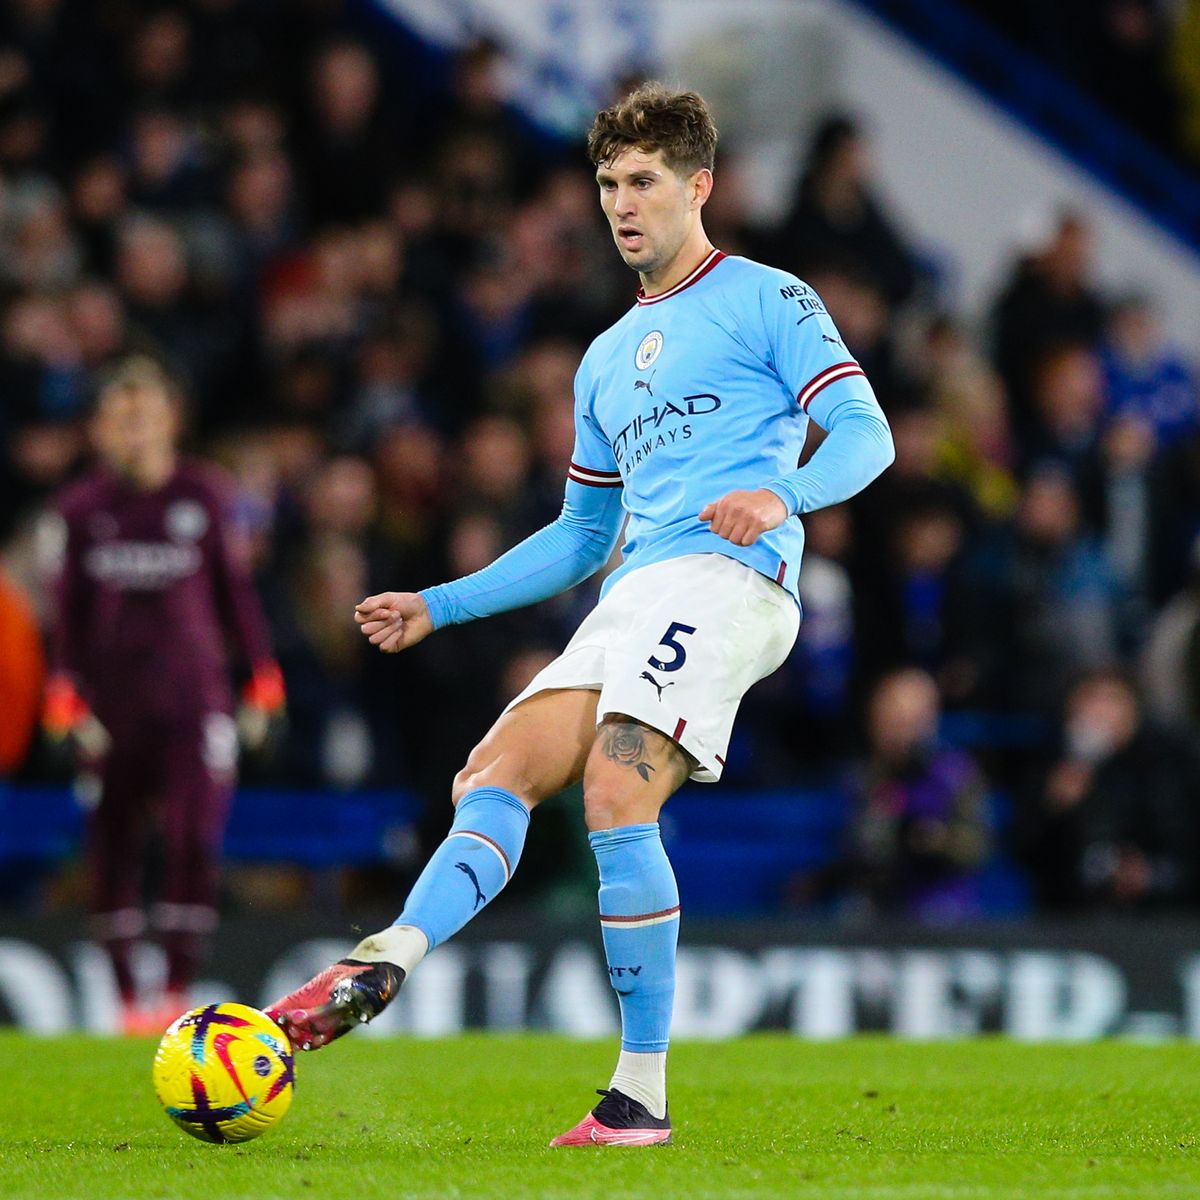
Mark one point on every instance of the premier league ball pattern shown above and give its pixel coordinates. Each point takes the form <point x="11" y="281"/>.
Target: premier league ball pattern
<point x="224" y="1073"/>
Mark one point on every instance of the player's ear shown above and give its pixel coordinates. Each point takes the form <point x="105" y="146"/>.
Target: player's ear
<point x="701" y="185"/>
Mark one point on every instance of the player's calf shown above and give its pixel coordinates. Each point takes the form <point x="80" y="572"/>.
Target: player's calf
<point x="464" y="874"/>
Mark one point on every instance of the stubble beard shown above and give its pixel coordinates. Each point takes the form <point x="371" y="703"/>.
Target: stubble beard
<point x="635" y="262"/>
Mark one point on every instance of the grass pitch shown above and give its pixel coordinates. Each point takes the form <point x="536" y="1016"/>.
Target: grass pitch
<point x="772" y="1117"/>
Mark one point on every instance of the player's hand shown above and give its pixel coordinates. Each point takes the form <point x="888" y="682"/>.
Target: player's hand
<point x="68" y="721"/>
<point x="394" y="621"/>
<point x="741" y="517"/>
<point x="262" y="707"/>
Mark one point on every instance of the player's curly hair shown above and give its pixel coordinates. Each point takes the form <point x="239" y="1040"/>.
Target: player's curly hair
<point x="653" y="117"/>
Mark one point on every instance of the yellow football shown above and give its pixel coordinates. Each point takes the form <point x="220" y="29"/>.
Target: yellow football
<point x="224" y="1073"/>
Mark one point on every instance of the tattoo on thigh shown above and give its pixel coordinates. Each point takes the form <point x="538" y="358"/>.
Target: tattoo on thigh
<point x="626" y="745"/>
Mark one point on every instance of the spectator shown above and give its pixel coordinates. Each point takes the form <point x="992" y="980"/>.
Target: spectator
<point x="1038" y="602"/>
<point x="98" y="199"/>
<point x="926" y="551"/>
<point x="976" y="446"/>
<point x="836" y="212"/>
<point x="890" y="552"/>
<point x="168" y="175"/>
<point x="920" y="831"/>
<point x="1047" y="301"/>
<point x="1146" y="379"/>
<point x="1126" y="487"/>
<point x="99" y="326"/>
<point x="159" y="64"/>
<point x="262" y="208"/>
<point x="344" y="150"/>
<point x="475" y="115"/>
<point x="495" y="462"/>
<point x="1068" y="409"/>
<point x="1129" y="70"/>
<point x="1113" y="819"/>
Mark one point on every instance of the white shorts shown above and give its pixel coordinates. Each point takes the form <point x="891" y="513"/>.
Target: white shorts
<point x="676" y="645"/>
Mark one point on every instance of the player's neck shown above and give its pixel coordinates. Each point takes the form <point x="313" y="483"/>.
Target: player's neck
<point x="150" y="472"/>
<point x="691" y="254"/>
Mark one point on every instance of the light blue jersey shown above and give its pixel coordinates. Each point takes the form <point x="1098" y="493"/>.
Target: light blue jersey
<point x="701" y="390"/>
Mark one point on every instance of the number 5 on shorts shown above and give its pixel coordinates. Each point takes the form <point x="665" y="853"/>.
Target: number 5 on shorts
<point x="677" y="649"/>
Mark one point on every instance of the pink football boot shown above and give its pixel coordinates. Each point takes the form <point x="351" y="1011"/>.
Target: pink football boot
<point x="618" y="1121"/>
<point x="347" y="994"/>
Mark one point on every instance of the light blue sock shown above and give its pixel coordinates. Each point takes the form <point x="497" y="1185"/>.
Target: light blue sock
<point x="639" y="920"/>
<point x="471" y="866"/>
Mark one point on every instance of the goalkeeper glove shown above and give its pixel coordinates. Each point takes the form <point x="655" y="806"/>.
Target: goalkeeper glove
<point x="263" y="700"/>
<point x="68" y="720"/>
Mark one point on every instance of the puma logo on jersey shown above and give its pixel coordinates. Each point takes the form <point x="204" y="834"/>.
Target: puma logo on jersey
<point x="645" y="383"/>
<point x="659" y="686"/>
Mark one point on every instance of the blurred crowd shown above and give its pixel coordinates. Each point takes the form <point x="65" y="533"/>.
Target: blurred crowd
<point x="1139" y="59"/>
<point x="376" y="284"/>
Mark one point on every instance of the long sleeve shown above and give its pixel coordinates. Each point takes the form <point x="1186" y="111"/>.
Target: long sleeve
<point x="59" y="553"/>
<point x="858" y="448"/>
<point x="811" y="360"/>
<point x="567" y="551"/>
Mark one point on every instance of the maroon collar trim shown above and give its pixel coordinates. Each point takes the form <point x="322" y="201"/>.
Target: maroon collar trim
<point x="695" y="277"/>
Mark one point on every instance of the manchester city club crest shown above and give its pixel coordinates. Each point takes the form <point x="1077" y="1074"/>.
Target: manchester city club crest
<point x="649" y="350"/>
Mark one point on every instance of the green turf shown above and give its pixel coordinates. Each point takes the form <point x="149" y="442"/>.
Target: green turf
<point x="762" y="1117"/>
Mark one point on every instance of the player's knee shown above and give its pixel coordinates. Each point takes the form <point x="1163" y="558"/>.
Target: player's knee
<point x="486" y="770"/>
<point x="464" y="782"/>
<point x="607" y="805"/>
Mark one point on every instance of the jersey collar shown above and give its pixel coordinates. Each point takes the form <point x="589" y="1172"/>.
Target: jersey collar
<point x="698" y="274"/>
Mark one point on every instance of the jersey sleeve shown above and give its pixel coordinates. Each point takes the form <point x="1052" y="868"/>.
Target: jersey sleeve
<point x="558" y="556"/>
<point x="813" y="363"/>
<point x="805" y="348"/>
<point x="60" y="551"/>
<point x="592" y="461"/>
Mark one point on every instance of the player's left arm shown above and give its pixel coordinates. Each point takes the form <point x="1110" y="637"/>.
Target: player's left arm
<point x="857" y="449"/>
<point x="812" y="361"/>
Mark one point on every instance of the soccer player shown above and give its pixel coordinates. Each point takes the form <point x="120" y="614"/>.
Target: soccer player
<point x="690" y="415"/>
<point x="148" y="597"/>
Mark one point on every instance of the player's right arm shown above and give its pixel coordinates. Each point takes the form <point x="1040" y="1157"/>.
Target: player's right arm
<point x="555" y="558"/>
<point x="66" y="714"/>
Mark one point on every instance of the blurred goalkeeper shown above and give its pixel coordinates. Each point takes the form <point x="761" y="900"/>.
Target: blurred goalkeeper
<point x="150" y="601"/>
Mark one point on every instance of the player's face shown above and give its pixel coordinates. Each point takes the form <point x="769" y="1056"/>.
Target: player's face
<point x="650" y="208"/>
<point x="133" y="422"/>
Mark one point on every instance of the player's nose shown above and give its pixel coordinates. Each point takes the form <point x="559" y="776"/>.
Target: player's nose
<point x="625" y="203"/>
